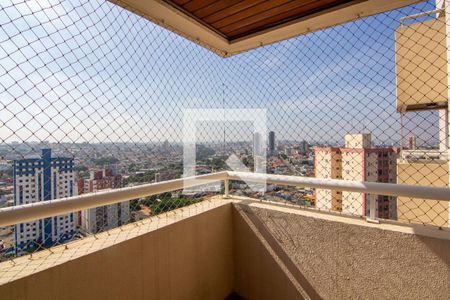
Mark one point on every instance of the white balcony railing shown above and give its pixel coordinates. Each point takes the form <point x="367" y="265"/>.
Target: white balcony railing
<point x="28" y="212"/>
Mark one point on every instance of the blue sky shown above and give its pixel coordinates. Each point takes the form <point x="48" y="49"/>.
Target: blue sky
<point x="89" y="71"/>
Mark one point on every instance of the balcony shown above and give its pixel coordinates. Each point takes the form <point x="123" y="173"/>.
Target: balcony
<point x="235" y="247"/>
<point x="191" y="149"/>
<point x="421" y="64"/>
<point x="411" y="169"/>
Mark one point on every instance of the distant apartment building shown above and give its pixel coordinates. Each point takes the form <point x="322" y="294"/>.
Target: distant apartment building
<point x="420" y="47"/>
<point x="357" y="161"/>
<point x="43" y="179"/>
<point x="412" y="143"/>
<point x="328" y="164"/>
<point x="102" y="218"/>
<point x="362" y="162"/>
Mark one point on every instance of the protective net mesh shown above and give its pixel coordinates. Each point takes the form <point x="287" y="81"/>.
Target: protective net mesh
<point x="93" y="98"/>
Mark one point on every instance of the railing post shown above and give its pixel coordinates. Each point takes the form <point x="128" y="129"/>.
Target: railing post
<point x="372" y="218"/>
<point x="226" y="183"/>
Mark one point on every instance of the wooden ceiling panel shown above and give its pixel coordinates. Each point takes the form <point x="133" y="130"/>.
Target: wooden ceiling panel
<point x="229" y="27"/>
<point x="272" y="18"/>
<point x="247" y="13"/>
<point x="236" y="18"/>
<point x="214" y="8"/>
<point x="194" y="5"/>
<point x="231" y="10"/>
<point x="290" y="9"/>
<point x="180" y="2"/>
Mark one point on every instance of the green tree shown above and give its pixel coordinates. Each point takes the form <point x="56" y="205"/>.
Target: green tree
<point x="109" y="160"/>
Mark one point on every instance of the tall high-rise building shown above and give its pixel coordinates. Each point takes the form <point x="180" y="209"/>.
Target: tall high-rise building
<point x="43" y="179"/>
<point x="102" y="218"/>
<point x="304" y="147"/>
<point x="271" y="143"/>
<point x="357" y="161"/>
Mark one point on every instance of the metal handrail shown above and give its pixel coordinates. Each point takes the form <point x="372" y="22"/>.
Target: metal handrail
<point x="422" y="14"/>
<point x="378" y="188"/>
<point x="39" y="210"/>
<point x="29" y="212"/>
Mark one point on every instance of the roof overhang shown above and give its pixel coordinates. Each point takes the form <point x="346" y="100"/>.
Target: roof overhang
<point x="185" y="23"/>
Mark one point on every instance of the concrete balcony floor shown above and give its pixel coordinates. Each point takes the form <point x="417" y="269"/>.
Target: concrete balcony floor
<point x="239" y="248"/>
